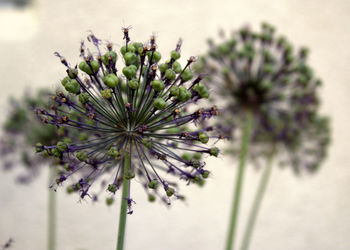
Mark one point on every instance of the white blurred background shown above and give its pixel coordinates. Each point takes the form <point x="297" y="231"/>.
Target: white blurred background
<point x="298" y="213"/>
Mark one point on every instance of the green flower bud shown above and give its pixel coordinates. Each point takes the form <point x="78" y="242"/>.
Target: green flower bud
<point x="157" y="85"/>
<point x="151" y="198"/>
<point x="70" y="189"/>
<point x="170" y="74"/>
<point x="137" y="46"/>
<point x="156" y="56"/>
<point x="106" y="93"/>
<point x="130" y="71"/>
<point x="205" y="174"/>
<point x="65" y="81"/>
<point x="110" y="55"/>
<point x="177" y="67"/>
<point x="174" y="91"/>
<point x="196" y="163"/>
<point x="147" y="142"/>
<point x="72" y="86"/>
<point x="61" y="146"/>
<point x="112" y="188"/>
<point x="187" y="156"/>
<point x="203" y="137"/>
<point x="186" y="75"/>
<point x="83" y="137"/>
<point x="131" y="49"/>
<point x="84" y="66"/>
<point x="201" y="90"/>
<point x="159" y="103"/>
<point x="39" y="147"/>
<point x="84" y="98"/>
<point x="111" y="80"/>
<point x="113" y="152"/>
<point x="72" y="73"/>
<point x="153" y="184"/>
<point x="163" y="67"/>
<point x="175" y="55"/>
<point x="197" y="156"/>
<point x="109" y="201"/>
<point x="129" y="174"/>
<point x="214" y="151"/>
<point x="133" y="84"/>
<point x="81" y="156"/>
<point x="170" y="192"/>
<point x="56" y="153"/>
<point x="184" y="94"/>
<point x="130" y="58"/>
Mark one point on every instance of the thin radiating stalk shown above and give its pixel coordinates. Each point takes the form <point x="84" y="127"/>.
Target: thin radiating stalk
<point x="257" y="203"/>
<point x="239" y="180"/>
<point x="124" y="205"/>
<point x="51" y="233"/>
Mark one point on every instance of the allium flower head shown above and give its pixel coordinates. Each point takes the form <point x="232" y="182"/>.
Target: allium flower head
<point x="136" y="111"/>
<point x="21" y="131"/>
<point x="261" y="73"/>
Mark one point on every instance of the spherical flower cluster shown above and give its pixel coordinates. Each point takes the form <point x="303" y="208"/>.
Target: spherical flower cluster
<point x="139" y="112"/>
<point x="21" y="131"/>
<point x="260" y="74"/>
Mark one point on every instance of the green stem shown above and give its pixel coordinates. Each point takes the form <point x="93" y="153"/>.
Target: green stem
<point x="124" y="204"/>
<point x="257" y="202"/>
<point x="239" y="180"/>
<point x="51" y="234"/>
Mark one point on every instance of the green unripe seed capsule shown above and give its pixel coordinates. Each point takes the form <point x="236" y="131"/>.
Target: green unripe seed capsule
<point x="177" y="67"/>
<point x="175" y="55"/>
<point x="184" y="94"/>
<point x="147" y="142"/>
<point x="186" y="75"/>
<point x="131" y="49"/>
<point x="157" y="85"/>
<point x="170" y="74"/>
<point x="112" y="188"/>
<point x="130" y="71"/>
<point x="133" y="84"/>
<point x="111" y="80"/>
<point x="214" y="151"/>
<point x="153" y="184"/>
<point x="156" y="56"/>
<point x="109" y="201"/>
<point x="197" y="156"/>
<point x="72" y="86"/>
<point x="151" y="198"/>
<point x="174" y="91"/>
<point x="106" y="93"/>
<point x="130" y="58"/>
<point x="70" y="189"/>
<point x="187" y="156"/>
<point x="203" y="137"/>
<point x="95" y="66"/>
<point x="61" y="146"/>
<point x="113" y="152"/>
<point x="72" y="73"/>
<point x="56" y="153"/>
<point x="84" y="98"/>
<point x="81" y="156"/>
<point x="170" y="192"/>
<point x="163" y="67"/>
<point x="205" y="174"/>
<point x="159" y="103"/>
<point x="110" y="55"/>
<point x="83" y="66"/>
<point x="65" y="81"/>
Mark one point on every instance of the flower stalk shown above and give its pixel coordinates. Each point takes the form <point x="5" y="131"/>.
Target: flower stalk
<point x="51" y="234"/>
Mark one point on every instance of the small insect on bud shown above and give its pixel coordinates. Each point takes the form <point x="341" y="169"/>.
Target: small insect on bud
<point x="157" y="85"/>
<point x="111" y="80"/>
<point x="159" y="103"/>
<point x="153" y="184"/>
<point x="203" y="137"/>
<point x="106" y="93"/>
